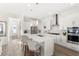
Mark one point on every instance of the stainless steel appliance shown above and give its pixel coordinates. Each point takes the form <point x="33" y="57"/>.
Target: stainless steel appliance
<point x="73" y="35"/>
<point x="34" y="30"/>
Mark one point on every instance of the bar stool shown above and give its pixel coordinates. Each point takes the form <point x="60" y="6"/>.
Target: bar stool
<point x="34" y="47"/>
<point x="24" y="45"/>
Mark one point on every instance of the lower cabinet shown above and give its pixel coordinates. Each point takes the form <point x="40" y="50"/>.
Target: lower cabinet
<point x="62" y="51"/>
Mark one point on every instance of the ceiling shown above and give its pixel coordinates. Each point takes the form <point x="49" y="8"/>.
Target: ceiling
<point x="37" y="10"/>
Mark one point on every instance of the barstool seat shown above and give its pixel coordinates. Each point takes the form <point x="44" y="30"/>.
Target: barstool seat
<point x="34" y="47"/>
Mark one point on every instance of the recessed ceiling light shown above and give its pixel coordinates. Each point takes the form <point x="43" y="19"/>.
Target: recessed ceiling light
<point x="32" y="4"/>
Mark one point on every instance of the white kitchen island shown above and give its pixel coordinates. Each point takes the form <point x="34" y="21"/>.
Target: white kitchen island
<point x="46" y="42"/>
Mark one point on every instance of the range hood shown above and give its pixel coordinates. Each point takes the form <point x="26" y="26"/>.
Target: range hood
<point x="57" y="19"/>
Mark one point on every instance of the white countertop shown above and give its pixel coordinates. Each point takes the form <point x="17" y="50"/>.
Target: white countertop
<point x="35" y="38"/>
<point x="39" y="39"/>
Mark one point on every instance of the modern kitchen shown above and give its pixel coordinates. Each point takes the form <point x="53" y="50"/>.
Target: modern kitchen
<point x="39" y="29"/>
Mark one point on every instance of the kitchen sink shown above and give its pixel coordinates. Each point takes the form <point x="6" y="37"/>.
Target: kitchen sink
<point x="40" y="35"/>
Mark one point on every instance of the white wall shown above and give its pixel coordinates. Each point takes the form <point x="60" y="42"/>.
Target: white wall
<point x="47" y="21"/>
<point x="69" y="17"/>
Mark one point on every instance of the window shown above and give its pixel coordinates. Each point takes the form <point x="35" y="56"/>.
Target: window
<point x="14" y="29"/>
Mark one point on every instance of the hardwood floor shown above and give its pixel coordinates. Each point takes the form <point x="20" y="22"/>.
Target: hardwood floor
<point x="58" y="51"/>
<point x="62" y="51"/>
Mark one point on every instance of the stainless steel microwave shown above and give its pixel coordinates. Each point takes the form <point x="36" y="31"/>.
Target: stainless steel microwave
<point x="73" y="34"/>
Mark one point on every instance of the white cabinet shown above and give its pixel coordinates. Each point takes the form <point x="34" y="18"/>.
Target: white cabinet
<point x="49" y="46"/>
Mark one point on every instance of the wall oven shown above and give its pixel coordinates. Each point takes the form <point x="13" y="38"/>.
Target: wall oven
<point x="73" y="35"/>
